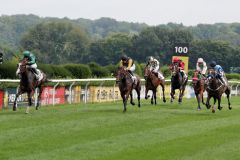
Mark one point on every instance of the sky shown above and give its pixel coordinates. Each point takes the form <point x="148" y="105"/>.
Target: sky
<point x="151" y="12"/>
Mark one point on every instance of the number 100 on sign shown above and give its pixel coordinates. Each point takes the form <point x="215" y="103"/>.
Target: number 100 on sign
<point x="181" y="49"/>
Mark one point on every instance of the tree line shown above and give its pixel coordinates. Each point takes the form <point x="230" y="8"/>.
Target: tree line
<point x="61" y="41"/>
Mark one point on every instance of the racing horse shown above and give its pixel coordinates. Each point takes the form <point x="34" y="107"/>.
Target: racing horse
<point x="215" y="89"/>
<point x="151" y="83"/>
<point x="199" y="87"/>
<point x="177" y="82"/>
<point x="28" y="84"/>
<point x="126" y="86"/>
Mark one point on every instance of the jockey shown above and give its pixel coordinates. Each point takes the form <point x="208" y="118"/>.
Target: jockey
<point x="201" y="67"/>
<point x="128" y="63"/>
<point x="32" y="63"/>
<point x="180" y="64"/>
<point x="219" y="70"/>
<point x="153" y="65"/>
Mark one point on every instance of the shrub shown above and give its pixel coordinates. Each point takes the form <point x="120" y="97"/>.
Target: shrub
<point x="97" y="70"/>
<point x="8" y="70"/>
<point x="60" y="72"/>
<point x="78" y="70"/>
<point x="165" y="71"/>
<point x="233" y="76"/>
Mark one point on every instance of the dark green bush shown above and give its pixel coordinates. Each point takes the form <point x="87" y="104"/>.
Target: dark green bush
<point x="233" y="76"/>
<point x="47" y="69"/>
<point x="111" y="68"/>
<point x="8" y="70"/>
<point x="97" y="70"/>
<point x="165" y="71"/>
<point x="60" y="71"/>
<point x="78" y="70"/>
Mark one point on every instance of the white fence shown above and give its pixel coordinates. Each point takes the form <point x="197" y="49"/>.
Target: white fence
<point x="234" y="86"/>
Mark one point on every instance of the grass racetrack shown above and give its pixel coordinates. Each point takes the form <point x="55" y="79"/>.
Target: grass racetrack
<point x="102" y="132"/>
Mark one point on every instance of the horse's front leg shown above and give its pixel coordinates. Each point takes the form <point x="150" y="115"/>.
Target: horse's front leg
<point x="155" y="96"/>
<point x="207" y="102"/>
<point x="219" y="103"/>
<point x="228" y="93"/>
<point x="181" y="94"/>
<point x="198" y="97"/>
<point x="202" y="98"/>
<point x="39" y="97"/>
<point x="163" y="90"/>
<point x="15" y="101"/>
<point x="172" y="94"/>
<point x="29" y="94"/>
<point x="146" y="92"/>
<point x="131" y="99"/>
<point x="213" y="107"/>
<point x="138" y="95"/>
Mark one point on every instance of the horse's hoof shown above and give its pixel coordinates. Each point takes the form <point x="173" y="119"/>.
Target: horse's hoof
<point x="139" y="105"/>
<point x="164" y="100"/>
<point x="199" y="109"/>
<point x="179" y="102"/>
<point x="14" y="109"/>
<point x="220" y="108"/>
<point x="213" y="111"/>
<point x="229" y="108"/>
<point x="146" y="97"/>
<point x="152" y="103"/>
<point x="208" y="106"/>
<point x="133" y="103"/>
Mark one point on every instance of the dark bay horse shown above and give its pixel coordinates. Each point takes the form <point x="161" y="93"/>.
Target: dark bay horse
<point x="151" y="83"/>
<point x="199" y="88"/>
<point x="215" y="89"/>
<point x="177" y="82"/>
<point x="126" y="85"/>
<point x="28" y="84"/>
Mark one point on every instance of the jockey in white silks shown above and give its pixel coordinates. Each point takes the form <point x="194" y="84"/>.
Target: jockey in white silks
<point x="153" y="65"/>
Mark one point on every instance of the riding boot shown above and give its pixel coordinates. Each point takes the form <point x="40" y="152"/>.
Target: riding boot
<point x="36" y="72"/>
<point x="160" y="76"/>
<point x="132" y="75"/>
<point x="223" y="81"/>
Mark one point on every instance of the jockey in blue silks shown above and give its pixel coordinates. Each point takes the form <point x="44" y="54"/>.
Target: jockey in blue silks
<point x="219" y="71"/>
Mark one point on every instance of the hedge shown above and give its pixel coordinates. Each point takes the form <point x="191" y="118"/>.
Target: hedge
<point x="98" y="71"/>
<point x="78" y="70"/>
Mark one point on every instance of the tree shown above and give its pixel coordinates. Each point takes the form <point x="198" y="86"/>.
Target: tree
<point x="56" y="42"/>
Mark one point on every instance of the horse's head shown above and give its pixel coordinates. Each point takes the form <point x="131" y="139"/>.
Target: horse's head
<point x="195" y="77"/>
<point x="212" y="76"/>
<point x="21" y="67"/>
<point x="174" y="68"/>
<point x="121" y="73"/>
<point x="147" y="72"/>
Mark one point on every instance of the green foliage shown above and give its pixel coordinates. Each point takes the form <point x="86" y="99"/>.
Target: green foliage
<point x="233" y="76"/>
<point x="60" y="71"/>
<point x="78" y="70"/>
<point x="138" y="69"/>
<point x="97" y="70"/>
<point x="56" y="42"/>
<point x="108" y="51"/>
<point x="111" y="68"/>
<point x="165" y="71"/>
<point x="8" y="70"/>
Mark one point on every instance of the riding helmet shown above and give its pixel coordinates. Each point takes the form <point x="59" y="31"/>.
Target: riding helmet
<point x="213" y="64"/>
<point x="26" y="53"/>
<point x="124" y="57"/>
<point x="176" y="59"/>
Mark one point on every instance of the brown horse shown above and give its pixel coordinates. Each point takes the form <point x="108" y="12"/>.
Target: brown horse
<point x="199" y="87"/>
<point x="151" y="83"/>
<point x="28" y="84"/>
<point x="126" y="85"/>
<point x="215" y="89"/>
<point x="177" y="82"/>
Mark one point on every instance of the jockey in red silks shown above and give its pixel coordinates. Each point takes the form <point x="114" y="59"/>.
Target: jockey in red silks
<point x="181" y="66"/>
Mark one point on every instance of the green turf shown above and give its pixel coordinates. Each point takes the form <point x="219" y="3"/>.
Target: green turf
<point x="103" y="132"/>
